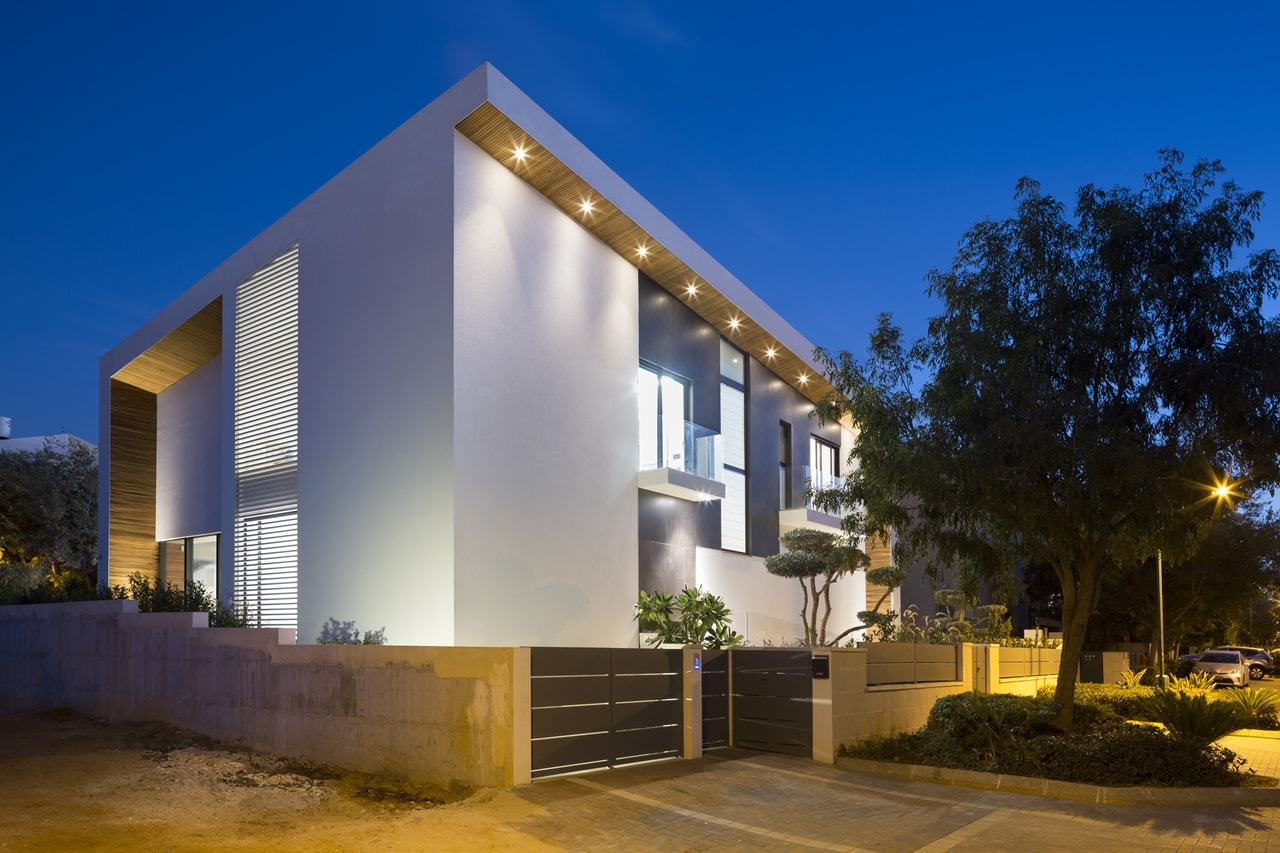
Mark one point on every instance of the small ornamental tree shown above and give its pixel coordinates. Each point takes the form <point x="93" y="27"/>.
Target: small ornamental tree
<point x="817" y="560"/>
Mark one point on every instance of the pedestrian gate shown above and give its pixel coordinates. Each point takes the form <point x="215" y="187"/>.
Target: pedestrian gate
<point x="772" y="703"/>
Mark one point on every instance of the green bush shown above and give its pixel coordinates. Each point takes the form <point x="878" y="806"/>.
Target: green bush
<point x="1130" y="755"/>
<point x="1013" y="734"/>
<point x="335" y="633"/>
<point x="1259" y="705"/>
<point x="692" y="617"/>
<point x="17" y="580"/>
<point x="1194" y="717"/>
<point x="161" y="597"/>
<point x="1099" y="705"/>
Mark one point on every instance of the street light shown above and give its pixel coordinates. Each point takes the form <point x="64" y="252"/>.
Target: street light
<point x="1223" y="491"/>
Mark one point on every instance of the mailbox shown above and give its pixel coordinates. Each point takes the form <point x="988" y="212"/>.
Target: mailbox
<point x="821" y="666"/>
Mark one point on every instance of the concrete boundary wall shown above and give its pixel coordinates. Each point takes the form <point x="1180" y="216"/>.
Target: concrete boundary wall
<point x="436" y="715"/>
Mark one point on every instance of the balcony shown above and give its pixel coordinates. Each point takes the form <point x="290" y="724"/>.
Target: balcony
<point x="681" y="459"/>
<point x="797" y="508"/>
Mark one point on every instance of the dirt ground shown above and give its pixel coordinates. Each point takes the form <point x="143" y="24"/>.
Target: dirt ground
<point x="68" y="782"/>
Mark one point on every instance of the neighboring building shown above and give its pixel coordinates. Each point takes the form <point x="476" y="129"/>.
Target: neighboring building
<point x="58" y="442"/>
<point x="454" y="393"/>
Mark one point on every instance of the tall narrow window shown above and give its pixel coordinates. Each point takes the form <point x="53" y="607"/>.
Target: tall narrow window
<point x="663" y="412"/>
<point x="733" y="426"/>
<point x="266" y="444"/>
<point x="784" y="465"/>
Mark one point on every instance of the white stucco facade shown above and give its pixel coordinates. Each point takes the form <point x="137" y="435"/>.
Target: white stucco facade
<point x="465" y="403"/>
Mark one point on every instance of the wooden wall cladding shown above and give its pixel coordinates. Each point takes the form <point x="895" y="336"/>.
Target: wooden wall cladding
<point x="131" y="531"/>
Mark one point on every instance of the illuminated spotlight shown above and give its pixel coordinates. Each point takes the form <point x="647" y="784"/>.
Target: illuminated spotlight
<point x="587" y="208"/>
<point x="734" y="323"/>
<point x="692" y="289"/>
<point x="521" y="153"/>
<point x="771" y="353"/>
<point x="804" y="379"/>
<point x="642" y="251"/>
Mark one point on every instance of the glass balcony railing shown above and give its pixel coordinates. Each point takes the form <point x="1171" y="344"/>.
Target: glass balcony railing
<point x="683" y="446"/>
<point x="793" y="494"/>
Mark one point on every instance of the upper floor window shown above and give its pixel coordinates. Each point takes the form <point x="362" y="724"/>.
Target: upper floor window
<point x="664" y="401"/>
<point x="824" y="464"/>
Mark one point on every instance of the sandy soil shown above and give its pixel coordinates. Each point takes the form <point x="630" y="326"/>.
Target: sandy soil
<point x="72" y="783"/>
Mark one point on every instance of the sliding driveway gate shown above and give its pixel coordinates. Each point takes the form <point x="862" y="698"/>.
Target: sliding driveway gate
<point x="593" y="708"/>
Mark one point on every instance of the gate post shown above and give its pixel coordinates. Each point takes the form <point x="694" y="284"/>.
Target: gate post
<point x="691" y="691"/>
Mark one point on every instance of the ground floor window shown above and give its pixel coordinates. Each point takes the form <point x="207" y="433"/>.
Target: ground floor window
<point x="191" y="559"/>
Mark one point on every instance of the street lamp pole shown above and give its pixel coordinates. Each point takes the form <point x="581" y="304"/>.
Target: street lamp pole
<point x="1160" y="618"/>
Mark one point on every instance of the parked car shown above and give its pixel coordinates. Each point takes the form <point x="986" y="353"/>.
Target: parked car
<point x="1227" y="666"/>
<point x="1261" y="664"/>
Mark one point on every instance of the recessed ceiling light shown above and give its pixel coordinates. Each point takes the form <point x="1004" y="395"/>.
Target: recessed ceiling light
<point x="692" y="289"/>
<point x="734" y="323"/>
<point x="587" y="206"/>
<point x="521" y="153"/>
<point x="804" y="379"/>
<point x="771" y="353"/>
<point x="642" y="251"/>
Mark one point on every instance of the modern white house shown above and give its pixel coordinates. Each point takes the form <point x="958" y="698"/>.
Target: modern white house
<point x="475" y="390"/>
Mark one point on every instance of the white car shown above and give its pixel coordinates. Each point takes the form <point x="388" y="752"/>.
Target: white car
<point x="1226" y="667"/>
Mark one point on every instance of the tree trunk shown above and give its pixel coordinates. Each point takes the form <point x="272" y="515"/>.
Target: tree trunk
<point x="1079" y="592"/>
<point x="812" y="639"/>
<point x="826" y="610"/>
<point x="804" y="612"/>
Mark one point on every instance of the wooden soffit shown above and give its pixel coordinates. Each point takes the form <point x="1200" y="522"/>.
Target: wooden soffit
<point x="178" y="353"/>
<point x="510" y="145"/>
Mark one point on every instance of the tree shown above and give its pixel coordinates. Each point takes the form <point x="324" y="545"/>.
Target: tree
<point x="817" y="560"/>
<point x="1209" y="598"/>
<point x="49" y="506"/>
<point x="1082" y="384"/>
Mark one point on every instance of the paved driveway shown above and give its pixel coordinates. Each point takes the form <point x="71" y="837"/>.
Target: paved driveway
<point x="741" y="800"/>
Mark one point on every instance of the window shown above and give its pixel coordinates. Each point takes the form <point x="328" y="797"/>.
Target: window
<point x="193" y="559"/>
<point x="824" y="465"/>
<point x="733" y="426"/>
<point x="663" y="412"/>
<point x="784" y="465"/>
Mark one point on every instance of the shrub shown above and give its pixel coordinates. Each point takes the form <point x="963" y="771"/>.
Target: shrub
<point x="1131" y="755"/>
<point x="1100" y="705"/>
<point x="1194" y="716"/>
<point x="1192" y="682"/>
<point x="17" y="580"/>
<point x="692" y="617"/>
<point x="335" y="633"/>
<point x="1259" y="705"/>
<point x="1012" y="734"/>
<point x="162" y="597"/>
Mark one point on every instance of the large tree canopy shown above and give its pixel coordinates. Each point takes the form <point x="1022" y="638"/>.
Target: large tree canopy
<point x="49" y="506"/>
<point x="1084" y="384"/>
<point x="1220" y="594"/>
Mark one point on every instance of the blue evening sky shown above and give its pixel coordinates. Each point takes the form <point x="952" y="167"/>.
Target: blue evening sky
<point x="828" y="154"/>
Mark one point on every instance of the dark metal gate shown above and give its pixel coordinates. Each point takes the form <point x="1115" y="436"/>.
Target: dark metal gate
<point x="595" y="708"/>
<point x="773" y="700"/>
<point x="715" y="698"/>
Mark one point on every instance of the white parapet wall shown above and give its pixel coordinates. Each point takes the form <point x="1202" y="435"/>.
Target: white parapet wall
<point x="453" y="716"/>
